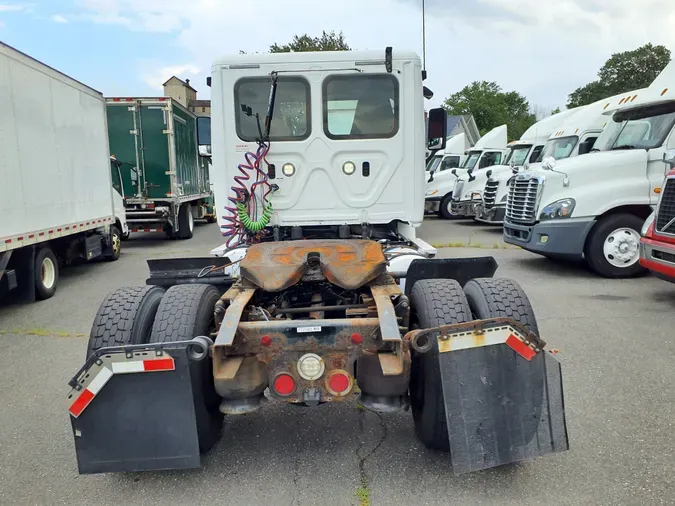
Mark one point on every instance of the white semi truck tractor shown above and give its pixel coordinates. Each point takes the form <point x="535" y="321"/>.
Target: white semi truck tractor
<point x="489" y="150"/>
<point x="593" y="207"/>
<point x="575" y="136"/>
<point x="322" y="284"/>
<point x="522" y="152"/>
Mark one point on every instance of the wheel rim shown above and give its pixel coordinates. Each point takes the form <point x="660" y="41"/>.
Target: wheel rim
<point x="622" y="247"/>
<point x="116" y="244"/>
<point x="48" y="273"/>
<point x="448" y="208"/>
<point x="191" y="220"/>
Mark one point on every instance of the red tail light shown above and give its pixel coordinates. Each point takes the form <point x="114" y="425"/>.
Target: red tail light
<point x="284" y="385"/>
<point x="338" y="383"/>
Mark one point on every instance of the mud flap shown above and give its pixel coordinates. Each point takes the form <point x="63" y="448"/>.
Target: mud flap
<point x="501" y="407"/>
<point x="133" y="410"/>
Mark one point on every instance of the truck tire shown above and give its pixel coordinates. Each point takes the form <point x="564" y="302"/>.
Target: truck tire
<point x="500" y="298"/>
<point x="125" y="317"/>
<point x="186" y="311"/>
<point x="434" y="302"/>
<point x="444" y="207"/>
<point x="46" y="273"/>
<point x="504" y="298"/>
<point x="115" y="244"/>
<point x="613" y="246"/>
<point x="186" y="222"/>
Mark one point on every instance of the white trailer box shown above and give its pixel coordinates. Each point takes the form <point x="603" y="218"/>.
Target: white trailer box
<point x="56" y="173"/>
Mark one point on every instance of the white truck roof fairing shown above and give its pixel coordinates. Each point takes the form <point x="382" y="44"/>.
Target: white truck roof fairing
<point x="590" y="117"/>
<point x="496" y="138"/>
<point x="661" y="90"/>
<point x="455" y="145"/>
<point x="542" y="129"/>
<point x="389" y="181"/>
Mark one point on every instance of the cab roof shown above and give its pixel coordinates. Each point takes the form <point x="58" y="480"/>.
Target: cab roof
<point x="358" y="57"/>
<point x="661" y="90"/>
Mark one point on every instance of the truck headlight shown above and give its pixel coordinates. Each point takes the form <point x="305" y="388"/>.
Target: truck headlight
<point x="472" y="195"/>
<point x="559" y="209"/>
<point x="430" y="193"/>
<point x="648" y="223"/>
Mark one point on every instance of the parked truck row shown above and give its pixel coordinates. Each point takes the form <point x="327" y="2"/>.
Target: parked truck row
<point x="587" y="194"/>
<point x="81" y="172"/>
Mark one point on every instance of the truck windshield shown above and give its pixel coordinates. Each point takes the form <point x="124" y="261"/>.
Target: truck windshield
<point x="518" y="154"/>
<point x="559" y="148"/>
<point x="433" y="163"/>
<point x="471" y="160"/>
<point x="450" y="162"/>
<point x="644" y="133"/>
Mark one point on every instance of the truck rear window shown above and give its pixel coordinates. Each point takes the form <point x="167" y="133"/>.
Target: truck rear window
<point x="291" y="116"/>
<point x="364" y="106"/>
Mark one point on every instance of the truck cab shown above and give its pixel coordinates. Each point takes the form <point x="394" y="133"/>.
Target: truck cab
<point x="489" y="150"/>
<point x="441" y="169"/>
<point x="593" y="207"/>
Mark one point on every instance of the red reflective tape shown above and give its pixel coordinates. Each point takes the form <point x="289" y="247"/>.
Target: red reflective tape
<point x="129" y="99"/>
<point x="81" y="402"/>
<point x="7" y="241"/>
<point x="31" y="236"/>
<point x="161" y="364"/>
<point x="134" y="230"/>
<point x="59" y="229"/>
<point x="20" y="238"/>
<point x="520" y="347"/>
<point x="41" y="234"/>
<point x="116" y="99"/>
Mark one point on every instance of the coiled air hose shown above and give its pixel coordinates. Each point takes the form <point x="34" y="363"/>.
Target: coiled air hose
<point x="248" y="223"/>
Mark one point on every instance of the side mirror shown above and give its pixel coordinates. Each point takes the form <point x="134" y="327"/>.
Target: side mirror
<point x="548" y="163"/>
<point x="488" y="173"/>
<point x="669" y="158"/>
<point x="437" y="129"/>
<point x="204" y="135"/>
<point x="454" y="172"/>
<point x="585" y="147"/>
<point x="431" y="176"/>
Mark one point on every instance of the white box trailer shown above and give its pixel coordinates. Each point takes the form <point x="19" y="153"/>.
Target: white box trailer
<point x="57" y="201"/>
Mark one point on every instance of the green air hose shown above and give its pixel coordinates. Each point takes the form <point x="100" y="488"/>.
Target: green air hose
<point x="249" y="224"/>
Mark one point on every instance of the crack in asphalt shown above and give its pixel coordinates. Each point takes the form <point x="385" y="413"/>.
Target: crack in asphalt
<point x="364" y="458"/>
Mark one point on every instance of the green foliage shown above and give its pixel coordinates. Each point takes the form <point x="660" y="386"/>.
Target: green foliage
<point x="622" y="72"/>
<point x="555" y="111"/>
<point x="303" y="43"/>
<point x="492" y="107"/>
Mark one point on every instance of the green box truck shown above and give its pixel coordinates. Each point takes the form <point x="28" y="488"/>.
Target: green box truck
<point x="164" y="179"/>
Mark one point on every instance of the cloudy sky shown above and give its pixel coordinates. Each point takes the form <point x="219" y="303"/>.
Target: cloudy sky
<point x="541" y="48"/>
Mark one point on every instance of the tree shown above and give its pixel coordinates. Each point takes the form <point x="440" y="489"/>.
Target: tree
<point x="327" y="42"/>
<point x="555" y="111"/>
<point x="622" y="72"/>
<point x="492" y="107"/>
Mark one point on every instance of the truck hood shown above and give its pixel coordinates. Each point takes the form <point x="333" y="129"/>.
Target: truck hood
<point x="596" y="181"/>
<point x="443" y="183"/>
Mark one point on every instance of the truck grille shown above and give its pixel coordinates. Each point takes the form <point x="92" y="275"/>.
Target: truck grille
<point x="490" y="193"/>
<point x="522" y="200"/>
<point x="457" y="192"/>
<point x="664" y="220"/>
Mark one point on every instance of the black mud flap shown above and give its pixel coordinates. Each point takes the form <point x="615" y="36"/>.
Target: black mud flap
<point x="178" y="271"/>
<point x="501" y="407"/>
<point x="133" y="410"/>
<point x="459" y="269"/>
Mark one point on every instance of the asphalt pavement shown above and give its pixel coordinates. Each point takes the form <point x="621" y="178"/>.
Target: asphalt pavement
<point x="614" y="339"/>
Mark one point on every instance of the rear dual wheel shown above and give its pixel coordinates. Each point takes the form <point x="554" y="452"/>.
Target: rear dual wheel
<point x="138" y="315"/>
<point x="437" y="302"/>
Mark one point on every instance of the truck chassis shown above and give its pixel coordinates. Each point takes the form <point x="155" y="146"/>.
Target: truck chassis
<point x="305" y="322"/>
